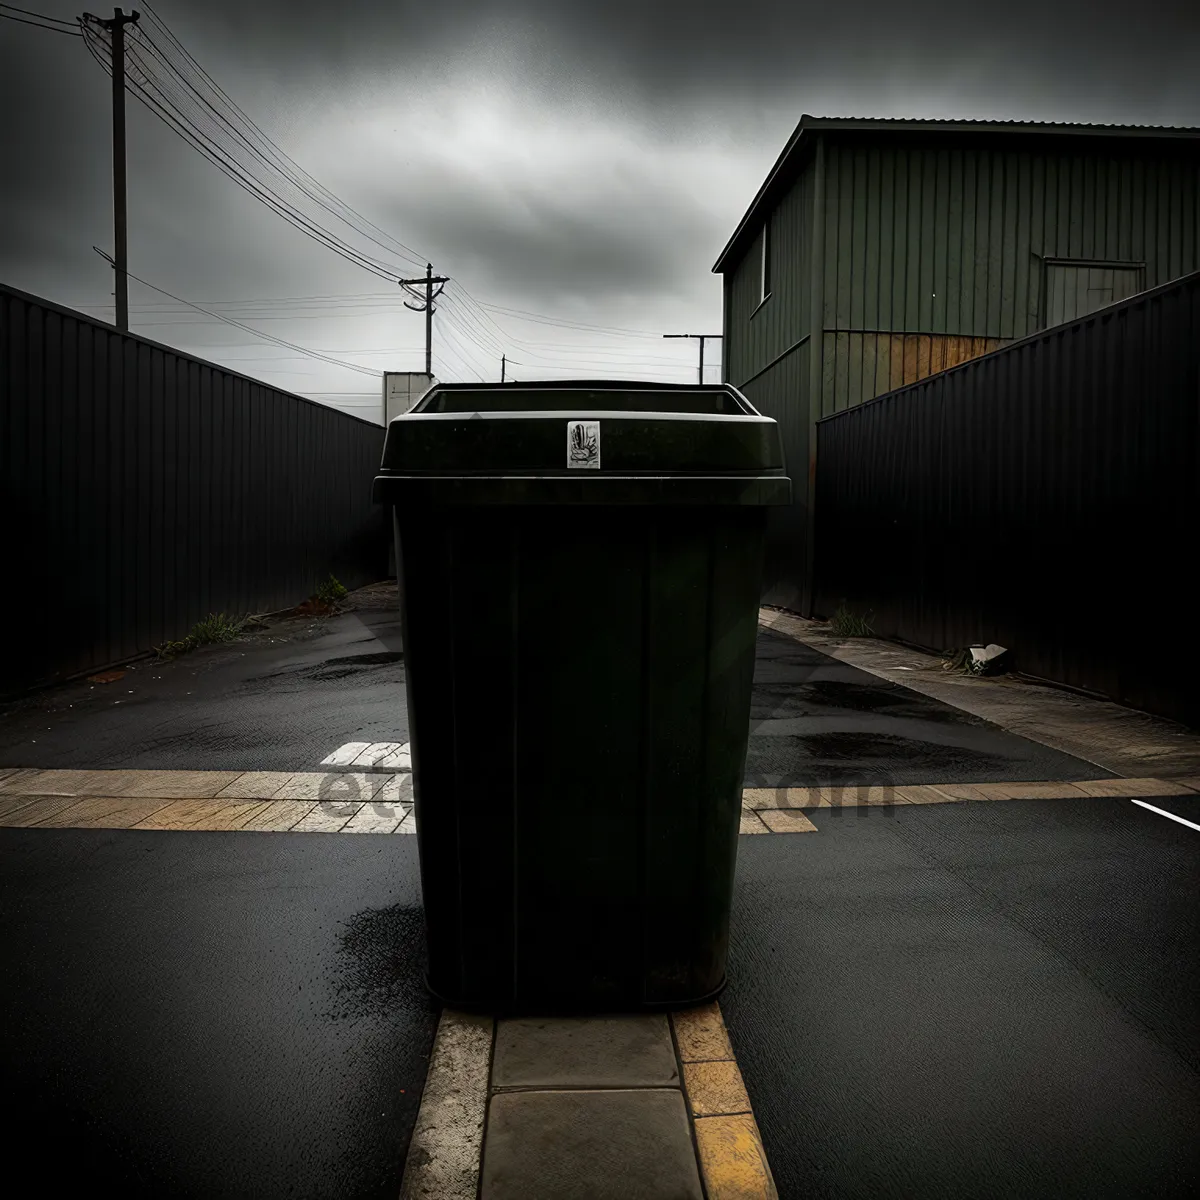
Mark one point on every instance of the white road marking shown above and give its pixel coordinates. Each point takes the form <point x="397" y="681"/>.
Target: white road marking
<point x="400" y="760"/>
<point x="390" y="756"/>
<point x="343" y="756"/>
<point x="374" y="752"/>
<point x="1162" y="812"/>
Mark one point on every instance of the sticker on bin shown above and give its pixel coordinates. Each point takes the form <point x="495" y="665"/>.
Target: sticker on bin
<point x="583" y="444"/>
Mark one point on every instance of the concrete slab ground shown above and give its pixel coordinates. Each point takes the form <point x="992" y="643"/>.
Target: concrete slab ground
<point x="646" y="1107"/>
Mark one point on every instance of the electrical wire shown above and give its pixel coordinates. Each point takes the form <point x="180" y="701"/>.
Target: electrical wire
<point x="40" y="16"/>
<point x="239" y="176"/>
<point x="541" y="317"/>
<point x="172" y="84"/>
<point x="188" y="72"/>
<point x="199" y="72"/>
<point x="57" y="26"/>
<point x="256" y="332"/>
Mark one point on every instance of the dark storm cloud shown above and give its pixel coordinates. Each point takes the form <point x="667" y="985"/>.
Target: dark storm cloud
<point x="743" y="50"/>
<point x="538" y="240"/>
<point x="583" y="159"/>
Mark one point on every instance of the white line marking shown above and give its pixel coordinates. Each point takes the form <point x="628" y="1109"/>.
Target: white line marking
<point x="344" y="755"/>
<point x="400" y="760"/>
<point x="374" y="752"/>
<point x="1162" y="812"/>
<point x="386" y="755"/>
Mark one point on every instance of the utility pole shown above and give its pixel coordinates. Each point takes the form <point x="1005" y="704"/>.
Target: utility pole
<point x="116" y="27"/>
<point x="502" y="365"/>
<point x="703" y="338"/>
<point x="426" y="306"/>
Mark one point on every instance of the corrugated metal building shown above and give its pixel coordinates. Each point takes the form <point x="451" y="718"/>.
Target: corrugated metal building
<point x="1022" y="498"/>
<point x="879" y="252"/>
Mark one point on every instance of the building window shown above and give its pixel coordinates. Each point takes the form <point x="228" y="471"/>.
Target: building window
<point x="1074" y="289"/>
<point x="766" y="260"/>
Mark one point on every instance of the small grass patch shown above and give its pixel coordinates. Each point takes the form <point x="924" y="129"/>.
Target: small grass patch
<point x="846" y="624"/>
<point x="330" y="592"/>
<point x="216" y="627"/>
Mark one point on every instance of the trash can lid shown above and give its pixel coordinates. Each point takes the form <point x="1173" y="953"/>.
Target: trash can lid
<point x="582" y="439"/>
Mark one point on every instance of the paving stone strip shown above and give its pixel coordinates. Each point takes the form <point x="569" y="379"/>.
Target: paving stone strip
<point x="355" y="802"/>
<point x="628" y="1107"/>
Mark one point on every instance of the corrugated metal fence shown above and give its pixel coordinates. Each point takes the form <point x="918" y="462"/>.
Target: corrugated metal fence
<point x="144" y="489"/>
<point x="1044" y="497"/>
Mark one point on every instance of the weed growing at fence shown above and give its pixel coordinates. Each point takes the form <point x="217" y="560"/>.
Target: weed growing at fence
<point x="330" y="592"/>
<point x="216" y="627"/>
<point x="846" y="624"/>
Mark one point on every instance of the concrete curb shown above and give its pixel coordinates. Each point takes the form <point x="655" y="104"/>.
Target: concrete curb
<point x="447" y="1143"/>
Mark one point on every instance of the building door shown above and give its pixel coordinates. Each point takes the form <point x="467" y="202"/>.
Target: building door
<point x="1076" y="289"/>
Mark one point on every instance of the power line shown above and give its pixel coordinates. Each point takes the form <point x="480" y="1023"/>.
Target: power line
<point x="268" y="150"/>
<point x="703" y="337"/>
<point x="51" y="25"/>
<point x="257" y="332"/>
<point x="214" y="142"/>
<point x="168" y="112"/>
<point x="221" y="159"/>
<point x="541" y="317"/>
<point x="169" y="81"/>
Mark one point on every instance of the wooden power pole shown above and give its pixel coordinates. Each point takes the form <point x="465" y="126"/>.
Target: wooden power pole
<point x="116" y="27"/>
<point x="703" y="337"/>
<point x="426" y="306"/>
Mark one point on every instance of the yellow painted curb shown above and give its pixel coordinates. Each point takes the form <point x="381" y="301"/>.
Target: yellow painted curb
<point x="733" y="1160"/>
<point x="730" y="1150"/>
<point x="785" y="821"/>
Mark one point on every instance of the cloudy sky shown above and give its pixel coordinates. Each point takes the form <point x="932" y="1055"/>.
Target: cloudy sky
<point x="574" y="167"/>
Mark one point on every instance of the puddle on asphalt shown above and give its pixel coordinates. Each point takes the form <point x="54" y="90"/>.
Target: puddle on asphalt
<point x="783" y="698"/>
<point x="381" y="964"/>
<point x="368" y="660"/>
<point x="827" y="759"/>
<point x="336" y="668"/>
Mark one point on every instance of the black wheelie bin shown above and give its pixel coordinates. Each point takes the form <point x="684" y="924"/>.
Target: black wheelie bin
<point x="580" y="568"/>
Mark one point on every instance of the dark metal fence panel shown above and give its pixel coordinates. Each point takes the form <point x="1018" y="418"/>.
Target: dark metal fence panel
<point x="1044" y="497"/>
<point x="144" y="489"/>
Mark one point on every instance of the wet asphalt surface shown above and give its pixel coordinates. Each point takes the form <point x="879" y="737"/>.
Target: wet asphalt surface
<point x="211" y="1015"/>
<point x="987" y="999"/>
<point x="991" y="1000"/>
<point x="284" y="700"/>
<point x="279" y="701"/>
<point x="817" y="722"/>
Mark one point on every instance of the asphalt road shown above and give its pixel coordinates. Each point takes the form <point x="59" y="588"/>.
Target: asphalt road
<point x="211" y="1015"/>
<point x="989" y="999"/>
<point x="276" y="702"/>
<point x="817" y="722"/>
<point x="283" y="700"/>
